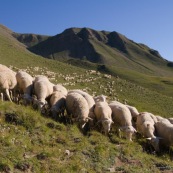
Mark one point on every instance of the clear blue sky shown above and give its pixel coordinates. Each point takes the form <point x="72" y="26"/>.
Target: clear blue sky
<point x="143" y="21"/>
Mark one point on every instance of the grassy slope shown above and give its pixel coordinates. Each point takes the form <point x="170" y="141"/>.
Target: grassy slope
<point x="32" y="142"/>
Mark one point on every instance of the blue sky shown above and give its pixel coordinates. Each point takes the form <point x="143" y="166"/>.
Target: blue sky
<point x="143" y="21"/>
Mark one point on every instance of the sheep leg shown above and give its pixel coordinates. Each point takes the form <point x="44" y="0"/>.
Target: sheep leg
<point x="2" y="97"/>
<point x="8" y="95"/>
<point x="11" y="95"/>
<point x="119" y="133"/>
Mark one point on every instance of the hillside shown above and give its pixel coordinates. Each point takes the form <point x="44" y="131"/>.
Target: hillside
<point x="31" y="142"/>
<point x="101" y="47"/>
<point x="30" y="39"/>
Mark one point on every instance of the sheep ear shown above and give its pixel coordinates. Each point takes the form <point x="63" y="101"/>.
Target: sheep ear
<point x="112" y="122"/>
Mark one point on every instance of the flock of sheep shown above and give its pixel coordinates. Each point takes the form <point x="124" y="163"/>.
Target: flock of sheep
<point x="83" y="108"/>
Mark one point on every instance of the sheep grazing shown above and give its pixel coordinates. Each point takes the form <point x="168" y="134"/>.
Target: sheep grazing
<point x="159" y="118"/>
<point x="89" y="100"/>
<point x="43" y="88"/>
<point x="100" y="98"/>
<point x="77" y="106"/>
<point x="165" y="132"/>
<point x="3" y="68"/>
<point x="7" y="82"/>
<point x="60" y="88"/>
<point x="25" y="85"/>
<point x="122" y="118"/>
<point x="134" y="111"/>
<point x="145" y="126"/>
<point x="57" y="103"/>
<point x="103" y="113"/>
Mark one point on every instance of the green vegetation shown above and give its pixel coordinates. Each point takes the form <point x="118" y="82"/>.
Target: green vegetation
<point x="31" y="142"/>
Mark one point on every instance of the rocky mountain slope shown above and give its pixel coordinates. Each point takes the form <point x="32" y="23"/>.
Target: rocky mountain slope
<point x="101" y="47"/>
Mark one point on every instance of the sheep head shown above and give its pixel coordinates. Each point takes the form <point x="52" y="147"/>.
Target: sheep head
<point x="107" y="125"/>
<point x="129" y="130"/>
<point x="155" y="142"/>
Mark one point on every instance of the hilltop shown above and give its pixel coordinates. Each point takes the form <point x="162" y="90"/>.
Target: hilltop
<point x="101" y="47"/>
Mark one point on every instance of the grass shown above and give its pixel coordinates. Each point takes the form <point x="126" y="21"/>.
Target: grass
<point x="40" y="144"/>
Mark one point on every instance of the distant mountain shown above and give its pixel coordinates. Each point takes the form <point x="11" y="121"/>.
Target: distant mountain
<point x="110" y="51"/>
<point x="30" y="39"/>
<point x="102" y="47"/>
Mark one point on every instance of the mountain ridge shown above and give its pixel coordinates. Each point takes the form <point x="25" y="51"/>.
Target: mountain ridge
<point x="110" y="49"/>
<point x="102" y="47"/>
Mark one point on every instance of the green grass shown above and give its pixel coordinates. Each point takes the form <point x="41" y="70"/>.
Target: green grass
<point x="39" y="144"/>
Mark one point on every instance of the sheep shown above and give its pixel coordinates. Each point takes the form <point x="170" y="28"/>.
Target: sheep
<point x="100" y="98"/>
<point x="134" y="111"/>
<point x="7" y="82"/>
<point x="122" y="117"/>
<point x="61" y="88"/>
<point x="145" y="126"/>
<point x="159" y="118"/>
<point x="57" y="103"/>
<point x="25" y="85"/>
<point x="165" y="132"/>
<point x="43" y="88"/>
<point x="103" y="113"/>
<point x="89" y="100"/>
<point x="4" y="68"/>
<point x="77" y="106"/>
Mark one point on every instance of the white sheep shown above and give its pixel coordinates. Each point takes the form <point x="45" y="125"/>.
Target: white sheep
<point x="159" y="118"/>
<point x="145" y="126"/>
<point x="43" y="88"/>
<point x="103" y="113"/>
<point x="57" y="103"/>
<point x="7" y="82"/>
<point x="122" y="118"/>
<point x="60" y="88"/>
<point x="77" y="106"/>
<point x="89" y="100"/>
<point x="100" y="98"/>
<point x="4" y="68"/>
<point x="25" y="85"/>
<point x="165" y="132"/>
<point x="134" y="111"/>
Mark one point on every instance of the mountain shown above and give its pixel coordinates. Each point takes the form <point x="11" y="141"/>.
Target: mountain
<point x="101" y="47"/>
<point x="30" y="39"/>
<point x="107" y="52"/>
